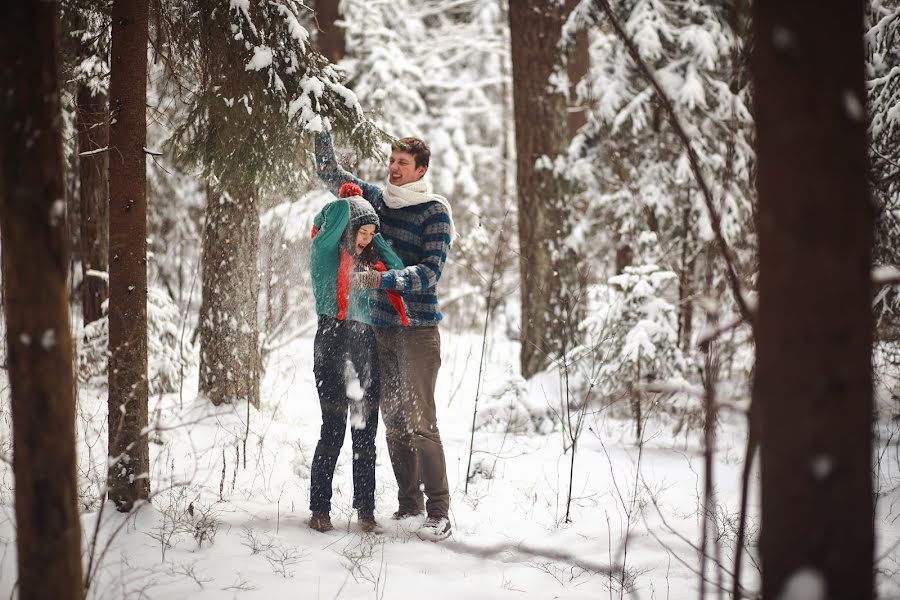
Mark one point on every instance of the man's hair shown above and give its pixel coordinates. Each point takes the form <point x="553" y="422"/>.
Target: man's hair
<point x="416" y="147"/>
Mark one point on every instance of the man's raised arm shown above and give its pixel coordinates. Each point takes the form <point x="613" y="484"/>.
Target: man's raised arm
<point x="331" y="173"/>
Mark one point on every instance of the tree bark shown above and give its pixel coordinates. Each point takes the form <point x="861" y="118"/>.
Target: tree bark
<point x="577" y="65"/>
<point x="229" y="332"/>
<point x="330" y="38"/>
<point x="547" y="267"/>
<point x="230" y="361"/>
<point x="35" y="303"/>
<point x="93" y="170"/>
<point x="686" y="282"/>
<point x="813" y="384"/>
<point x="128" y="388"/>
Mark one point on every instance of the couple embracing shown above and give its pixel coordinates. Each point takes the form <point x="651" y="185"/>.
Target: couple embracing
<point x="377" y="255"/>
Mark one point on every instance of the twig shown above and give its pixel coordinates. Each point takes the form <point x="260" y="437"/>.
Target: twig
<point x="181" y="338"/>
<point x="96" y="151"/>
<point x="487" y="317"/>
<point x="752" y="443"/>
<point x="719" y="331"/>
<point x="709" y="401"/>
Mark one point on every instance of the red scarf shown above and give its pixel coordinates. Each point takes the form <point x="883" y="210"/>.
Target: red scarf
<point x="343" y="288"/>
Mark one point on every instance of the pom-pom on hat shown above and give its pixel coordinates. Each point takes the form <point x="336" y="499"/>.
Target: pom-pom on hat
<point x="361" y="212"/>
<point x="349" y="189"/>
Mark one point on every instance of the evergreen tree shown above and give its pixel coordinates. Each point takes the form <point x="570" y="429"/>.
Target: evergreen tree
<point x="260" y="89"/>
<point x="629" y="163"/>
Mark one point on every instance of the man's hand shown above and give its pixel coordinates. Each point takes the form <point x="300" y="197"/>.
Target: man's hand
<point x="365" y="280"/>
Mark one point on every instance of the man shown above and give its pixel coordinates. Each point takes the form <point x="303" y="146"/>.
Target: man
<point x="419" y="227"/>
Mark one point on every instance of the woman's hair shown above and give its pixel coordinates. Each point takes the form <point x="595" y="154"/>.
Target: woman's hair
<point x="368" y="256"/>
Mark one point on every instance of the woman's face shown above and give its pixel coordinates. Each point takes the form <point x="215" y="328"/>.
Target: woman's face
<point x="364" y="237"/>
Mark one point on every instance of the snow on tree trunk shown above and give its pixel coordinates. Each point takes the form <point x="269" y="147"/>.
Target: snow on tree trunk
<point x="546" y="265"/>
<point x="128" y="388"/>
<point x="813" y="383"/>
<point x="93" y="135"/>
<point x="38" y="336"/>
<point x="229" y="333"/>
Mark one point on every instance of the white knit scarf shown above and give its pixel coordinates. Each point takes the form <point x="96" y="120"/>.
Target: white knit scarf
<point x="417" y="192"/>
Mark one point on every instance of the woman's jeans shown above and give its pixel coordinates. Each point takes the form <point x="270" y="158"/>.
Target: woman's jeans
<point x="345" y="364"/>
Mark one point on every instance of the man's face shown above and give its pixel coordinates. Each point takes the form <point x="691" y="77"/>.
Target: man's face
<point x="402" y="168"/>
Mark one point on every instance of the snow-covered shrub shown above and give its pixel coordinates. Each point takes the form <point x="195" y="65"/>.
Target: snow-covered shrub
<point x="631" y="340"/>
<point x="511" y="408"/>
<point x="168" y="351"/>
<point x="649" y="348"/>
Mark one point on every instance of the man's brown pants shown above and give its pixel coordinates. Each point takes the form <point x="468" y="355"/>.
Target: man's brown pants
<point x="409" y="359"/>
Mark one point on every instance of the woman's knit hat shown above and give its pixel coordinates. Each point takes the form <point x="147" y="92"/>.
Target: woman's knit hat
<point x="361" y="212"/>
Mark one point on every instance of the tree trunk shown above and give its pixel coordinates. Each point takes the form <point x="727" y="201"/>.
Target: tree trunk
<point x="128" y="389"/>
<point x="35" y="303"/>
<point x="548" y="269"/>
<point x="577" y="65"/>
<point x="813" y="382"/>
<point x="229" y="332"/>
<point x="93" y="135"/>
<point x="330" y="38"/>
<point x="686" y="277"/>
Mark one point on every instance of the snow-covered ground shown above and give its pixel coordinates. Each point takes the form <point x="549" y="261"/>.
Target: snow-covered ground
<point x="225" y="524"/>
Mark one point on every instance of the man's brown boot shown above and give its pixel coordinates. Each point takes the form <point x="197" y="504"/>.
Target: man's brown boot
<point x="321" y="521"/>
<point x="367" y="522"/>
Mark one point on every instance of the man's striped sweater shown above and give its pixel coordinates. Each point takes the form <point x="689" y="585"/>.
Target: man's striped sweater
<point x="419" y="234"/>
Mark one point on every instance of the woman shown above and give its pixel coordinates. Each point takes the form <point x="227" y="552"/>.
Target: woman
<point x="346" y="246"/>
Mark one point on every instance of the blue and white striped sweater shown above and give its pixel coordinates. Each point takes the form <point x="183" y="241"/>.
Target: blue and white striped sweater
<point x="419" y="234"/>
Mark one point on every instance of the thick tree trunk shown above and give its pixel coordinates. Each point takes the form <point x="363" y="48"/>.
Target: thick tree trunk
<point x="93" y="135"/>
<point x="330" y="39"/>
<point x="35" y="303"/>
<point x="547" y="267"/>
<point x="813" y="383"/>
<point x="128" y="389"/>
<point x="229" y="333"/>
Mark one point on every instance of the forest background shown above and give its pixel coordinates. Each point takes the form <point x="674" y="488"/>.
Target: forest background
<point x="609" y="180"/>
